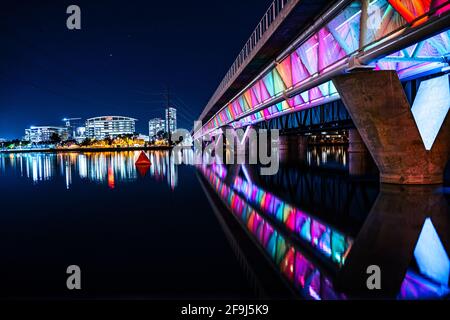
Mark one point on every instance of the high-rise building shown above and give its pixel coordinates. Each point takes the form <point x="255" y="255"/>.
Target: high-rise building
<point x="38" y="134"/>
<point x="154" y="126"/>
<point x="109" y="126"/>
<point x="75" y="127"/>
<point x="171" y="120"/>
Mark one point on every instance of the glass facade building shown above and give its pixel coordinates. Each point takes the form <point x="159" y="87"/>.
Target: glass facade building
<point x="109" y="126"/>
<point x="154" y="126"/>
<point x="38" y="134"/>
<point x="76" y="127"/>
<point x="171" y="120"/>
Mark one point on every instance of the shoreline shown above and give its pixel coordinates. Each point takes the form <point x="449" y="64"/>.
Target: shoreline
<point x="56" y="150"/>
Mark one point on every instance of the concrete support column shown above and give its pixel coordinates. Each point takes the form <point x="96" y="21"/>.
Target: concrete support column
<point x="292" y="148"/>
<point x="389" y="237"/>
<point x="358" y="154"/>
<point x="378" y="106"/>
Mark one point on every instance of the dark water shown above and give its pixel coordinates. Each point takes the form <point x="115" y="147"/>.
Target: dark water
<point x="186" y="231"/>
<point x="133" y="236"/>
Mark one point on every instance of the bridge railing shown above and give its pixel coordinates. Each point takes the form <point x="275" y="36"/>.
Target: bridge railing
<point x="264" y="24"/>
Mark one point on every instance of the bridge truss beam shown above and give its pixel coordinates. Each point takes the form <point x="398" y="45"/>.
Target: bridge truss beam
<point x="411" y="40"/>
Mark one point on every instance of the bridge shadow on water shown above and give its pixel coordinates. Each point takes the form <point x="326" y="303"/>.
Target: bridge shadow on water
<point x="312" y="230"/>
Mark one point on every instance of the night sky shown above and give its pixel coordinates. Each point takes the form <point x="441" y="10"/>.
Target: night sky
<point x="120" y="62"/>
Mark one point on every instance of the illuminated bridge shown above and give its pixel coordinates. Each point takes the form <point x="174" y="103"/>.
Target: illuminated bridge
<point x="380" y="66"/>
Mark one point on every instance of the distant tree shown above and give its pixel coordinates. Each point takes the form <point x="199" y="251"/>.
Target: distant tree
<point x="160" y="133"/>
<point x="86" y="142"/>
<point x="180" y="140"/>
<point x="55" y="138"/>
<point x="108" y="141"/>
<point x="128" y="136"/>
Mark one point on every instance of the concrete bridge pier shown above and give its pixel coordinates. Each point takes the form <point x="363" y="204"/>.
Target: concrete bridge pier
<point x="390" y="235"/>
<point x="378" y="106"/>
<point x="292" y="148"/>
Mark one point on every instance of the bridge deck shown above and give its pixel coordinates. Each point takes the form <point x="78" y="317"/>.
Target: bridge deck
<point x="293" y="19"/>
<point x="377" y="33"/>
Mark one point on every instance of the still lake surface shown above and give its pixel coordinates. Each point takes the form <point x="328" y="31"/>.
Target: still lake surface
<point x="186" y="231"/>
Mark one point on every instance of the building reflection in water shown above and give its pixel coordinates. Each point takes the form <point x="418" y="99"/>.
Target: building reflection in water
<point x="301" y="247"/>
<point x="109" y="168"/>
<point x="406" y="232"/>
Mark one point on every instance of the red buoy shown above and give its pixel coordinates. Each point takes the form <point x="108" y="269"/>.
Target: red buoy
<point x="143" y="160"/>
<point x="143" y="169"/>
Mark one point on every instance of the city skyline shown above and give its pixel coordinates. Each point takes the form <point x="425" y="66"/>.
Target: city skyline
<point x="86" y="123"/>
<point x="49" y="72"/>
<point x="63" y="123"/>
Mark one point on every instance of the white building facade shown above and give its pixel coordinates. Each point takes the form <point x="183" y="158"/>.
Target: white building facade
<point x="154" y="126"/>
<point x="38" y="134"/>
<point x="109" y="127"/>
<point x="171" y="120"/>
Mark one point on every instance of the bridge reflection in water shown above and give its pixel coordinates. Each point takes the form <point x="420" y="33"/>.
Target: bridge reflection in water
<point x="319" y="261"/>
<point x="314" y="226"/>
<point x="100" y="167"/>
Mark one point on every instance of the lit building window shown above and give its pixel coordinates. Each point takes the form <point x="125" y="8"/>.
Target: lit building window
<point x="109" y="126"/>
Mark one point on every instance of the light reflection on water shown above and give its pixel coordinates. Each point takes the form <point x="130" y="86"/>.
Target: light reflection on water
<point x="332" y="156"/>
<point x="284" y="232"/>
<point x="112" y="167"/>
<point x="253" y="206"/>
<point x="107" y="168"/>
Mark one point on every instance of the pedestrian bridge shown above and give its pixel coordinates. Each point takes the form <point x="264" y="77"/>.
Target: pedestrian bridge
<point x="305" y="54"/>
